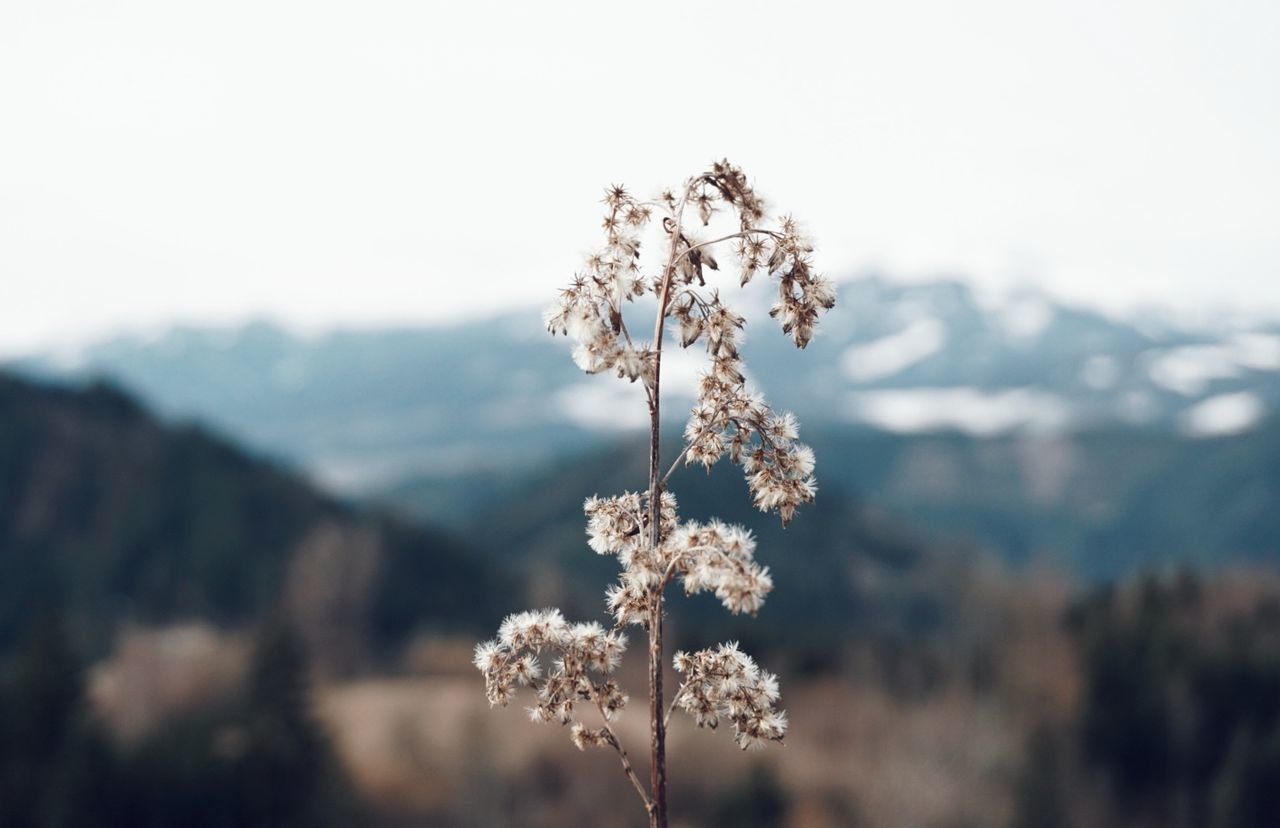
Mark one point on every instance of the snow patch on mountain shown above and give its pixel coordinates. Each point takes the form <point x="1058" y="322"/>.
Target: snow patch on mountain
<point x="1026" y="317"/>
<point x="1223" y="414"/>
<point x="682" y="369"/>
<point x="1260" y="351"/>
<point x="1100" y="372"/>
<point x="1189" y="369"/>
<point x="603" y="406"/>
<point x="971" y="410"/>
<point x="1021" y="314"/>
<point x="609" y="404"/>
<point x="892" y="354"/>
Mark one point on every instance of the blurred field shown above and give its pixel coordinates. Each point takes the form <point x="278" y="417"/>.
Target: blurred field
<point x="884" y="740"/>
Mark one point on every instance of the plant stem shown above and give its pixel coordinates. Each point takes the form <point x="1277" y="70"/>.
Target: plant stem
<point x="657" y="717"/>
<point x="657" y="724"/>
<point x="751" y="231"/>
<point x="622" y="755"/>
<point x="657" y="721"/>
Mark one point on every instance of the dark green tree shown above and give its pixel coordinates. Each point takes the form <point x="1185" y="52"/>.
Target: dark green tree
<point x="287" y="759"/>
<point x="1247" y="793"/>
<point x="56" y="766"/>
<point x="289" y="772"/>
<point x="263" y="761"/>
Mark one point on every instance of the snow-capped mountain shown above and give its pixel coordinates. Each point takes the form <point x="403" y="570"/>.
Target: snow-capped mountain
<point x="359" y="408"/>
<point x="936" y="356"/>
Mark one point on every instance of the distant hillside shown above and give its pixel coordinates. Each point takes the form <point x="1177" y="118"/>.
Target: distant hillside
<point x="116" y="517"/>
<point x="1099" y="504"/>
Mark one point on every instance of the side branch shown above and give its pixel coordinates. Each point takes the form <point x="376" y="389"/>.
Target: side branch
<point x="684" y="553"/>
<point x="742" y="234"/>
<point x="674" y="701"/>
<point x="676" y="463"/>
<point x="758" y="429"/>
<point x="612" y="738"/>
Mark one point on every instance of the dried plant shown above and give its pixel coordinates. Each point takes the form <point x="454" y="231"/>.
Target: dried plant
<point x="569" y="666"/>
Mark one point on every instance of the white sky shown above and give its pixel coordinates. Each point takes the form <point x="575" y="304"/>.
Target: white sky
<point x="369" y="162"/>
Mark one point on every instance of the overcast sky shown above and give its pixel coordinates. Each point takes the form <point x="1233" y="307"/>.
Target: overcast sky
<point x="376" y="162"/>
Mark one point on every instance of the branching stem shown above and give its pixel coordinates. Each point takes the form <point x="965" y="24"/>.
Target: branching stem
<point x="657" y="722"/>
<point x="622" y="756"/>
<point x="741" y="234"/>
<point x="674" y="701"/>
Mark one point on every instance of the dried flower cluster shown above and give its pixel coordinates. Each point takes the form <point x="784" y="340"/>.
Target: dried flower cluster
<point x="728" y="418"/>
<point x="590" y="309"/>
<point x="580" y="650"/>
<point x="720" y="558"/>
<point x="725" y="683"/>
<point x="643" y="529"/>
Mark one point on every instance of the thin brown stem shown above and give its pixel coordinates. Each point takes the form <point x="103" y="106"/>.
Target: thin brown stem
<point x="741" y="234"/>
<point x="675" y="464"/>
<point x="671" y="571"/>
<point x="758" y="428"/>
<point x="674" y="701"/>
<point x="622" y="756"/>
<point x="657" y="723"/>
<point x="622" y="326"/>
<point x="628" y="770"/>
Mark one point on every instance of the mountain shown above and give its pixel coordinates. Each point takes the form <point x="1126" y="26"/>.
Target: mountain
<point x="1019" y="424"/>
<point x="116" y="517"/>
<point x="360" y="409"/>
